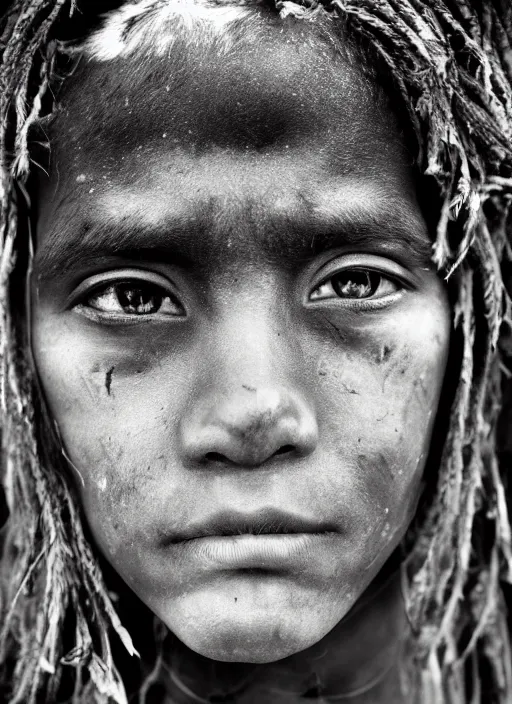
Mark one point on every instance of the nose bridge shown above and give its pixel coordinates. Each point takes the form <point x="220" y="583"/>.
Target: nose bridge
<point x="253" y="403"/>
<point x="254" y="344"/>
<point x="252" y="339"/>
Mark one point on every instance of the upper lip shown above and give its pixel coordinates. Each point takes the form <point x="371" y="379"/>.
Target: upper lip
<point x="267" y="521"/>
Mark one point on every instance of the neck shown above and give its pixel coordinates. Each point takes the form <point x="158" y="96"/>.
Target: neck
<point x="357" y="662"/>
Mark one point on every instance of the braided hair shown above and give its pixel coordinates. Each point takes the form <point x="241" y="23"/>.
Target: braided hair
<point x="449" y="64"/>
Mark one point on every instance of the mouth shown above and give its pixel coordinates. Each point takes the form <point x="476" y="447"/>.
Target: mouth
<point x="268" y="522"/>
<point x="266" y="540"/>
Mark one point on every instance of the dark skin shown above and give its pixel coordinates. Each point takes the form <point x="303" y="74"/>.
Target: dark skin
<point x="240" y="321"/>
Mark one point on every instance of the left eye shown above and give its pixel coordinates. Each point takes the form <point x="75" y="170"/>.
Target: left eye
<point x="355" y="284"/>
<point x="134" y="298"/>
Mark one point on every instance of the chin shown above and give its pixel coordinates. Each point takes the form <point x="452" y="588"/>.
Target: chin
<point x="228" y="642"/>
<point x="230" y="631"/>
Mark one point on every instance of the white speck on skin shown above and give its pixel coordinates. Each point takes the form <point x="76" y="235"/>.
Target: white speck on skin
<point x="102" y="484"/>
<point x="81" y="178"/>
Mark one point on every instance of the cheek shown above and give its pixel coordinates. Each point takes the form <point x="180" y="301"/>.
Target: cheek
<point x="115" y="412"/>
<point x="379" y="401"/>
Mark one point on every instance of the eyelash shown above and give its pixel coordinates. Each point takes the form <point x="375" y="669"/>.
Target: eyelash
<point x="396" y="278"/>
<point x="87" y="295"/>
<point x="369" y="278"/>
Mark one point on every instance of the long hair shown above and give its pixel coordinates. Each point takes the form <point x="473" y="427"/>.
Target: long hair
<point x="449" y="64"/>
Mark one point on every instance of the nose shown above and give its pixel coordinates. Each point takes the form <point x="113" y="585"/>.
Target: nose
<point x="249" y="426"/>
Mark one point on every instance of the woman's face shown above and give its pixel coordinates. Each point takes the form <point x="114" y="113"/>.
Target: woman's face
<point x="239" y="335"/>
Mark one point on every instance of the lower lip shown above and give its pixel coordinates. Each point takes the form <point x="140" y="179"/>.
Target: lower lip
<point x="269" y="551"/>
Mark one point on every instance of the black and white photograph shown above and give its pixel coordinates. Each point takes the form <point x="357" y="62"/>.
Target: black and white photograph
<point x="255" y="351"/>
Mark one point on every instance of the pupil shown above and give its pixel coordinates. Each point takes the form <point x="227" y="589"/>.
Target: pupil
<point x="355" y="284"/>
<point x="140" y="301"/>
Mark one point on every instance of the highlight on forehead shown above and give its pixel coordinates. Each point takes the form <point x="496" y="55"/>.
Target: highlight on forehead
<point x="156" y="24"/>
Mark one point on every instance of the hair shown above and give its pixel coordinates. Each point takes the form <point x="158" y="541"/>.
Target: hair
<point x="449" y="63"/>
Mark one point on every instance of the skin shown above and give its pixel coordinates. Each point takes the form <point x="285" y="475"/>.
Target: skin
<point x="256" y="385"/>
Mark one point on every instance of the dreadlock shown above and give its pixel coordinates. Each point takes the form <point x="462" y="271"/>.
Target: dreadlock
<point x="450" y="64"/>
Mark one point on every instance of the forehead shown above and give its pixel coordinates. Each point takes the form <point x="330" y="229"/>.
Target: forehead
<point x="254" y="89"/>
<point x="279" y="125"/>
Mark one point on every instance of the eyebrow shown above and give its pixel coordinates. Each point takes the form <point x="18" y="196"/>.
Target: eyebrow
<point x="189" y="239"/>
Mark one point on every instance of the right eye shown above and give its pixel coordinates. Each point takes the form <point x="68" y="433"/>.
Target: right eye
<point x="133" y="298"/>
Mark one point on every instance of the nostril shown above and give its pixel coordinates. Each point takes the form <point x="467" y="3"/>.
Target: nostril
<point x="223" y="459"/>
<point x="216" y="457"/>
<point x="284" y="450"/>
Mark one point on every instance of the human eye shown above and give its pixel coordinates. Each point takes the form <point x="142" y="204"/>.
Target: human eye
<point x="355" y="281"/>
<point x="355" y="284"/>
<point x="126" y="298"/>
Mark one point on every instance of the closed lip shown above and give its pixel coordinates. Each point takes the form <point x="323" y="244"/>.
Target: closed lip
<point x="264" y="522"/>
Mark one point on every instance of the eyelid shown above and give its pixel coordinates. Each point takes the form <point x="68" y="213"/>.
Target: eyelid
<point x="100" y="281"/>
<point x="380" y="264"/>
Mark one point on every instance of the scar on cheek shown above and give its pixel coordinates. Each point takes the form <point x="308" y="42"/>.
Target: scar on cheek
<point x="383" y="354"/>
<point x="108" y="379"/>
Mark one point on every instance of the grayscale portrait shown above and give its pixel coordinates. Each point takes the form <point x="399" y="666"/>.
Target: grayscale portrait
<point x="255" y="347"/>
